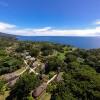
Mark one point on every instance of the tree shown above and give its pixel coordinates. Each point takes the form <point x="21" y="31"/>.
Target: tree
<point x="53" y="63"/>
<point x="80" y="83"/>
<point x="34" y="52"/>
<point x="24" y="86"/>
<point x="46" y="52"/>
<point x="70" y="58"/>
<point x="9" y="64"/>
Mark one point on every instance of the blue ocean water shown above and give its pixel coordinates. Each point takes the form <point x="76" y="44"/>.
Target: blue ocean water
<point x="81" y="42"/>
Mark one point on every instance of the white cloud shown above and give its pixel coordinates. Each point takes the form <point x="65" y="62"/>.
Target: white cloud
<point x="48" y="31"/>
<point x="6" y="26"/>
<point x="97" y="22"/>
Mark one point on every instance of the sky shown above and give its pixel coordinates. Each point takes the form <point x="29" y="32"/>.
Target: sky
<point x="50" y="17"/>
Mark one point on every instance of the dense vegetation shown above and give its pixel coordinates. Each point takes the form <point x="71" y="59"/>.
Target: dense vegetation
<point x="23" y="87"/>
<point x="9" y="59"/>
<point x="81" y="77"/>
<point x="80" y="69"/>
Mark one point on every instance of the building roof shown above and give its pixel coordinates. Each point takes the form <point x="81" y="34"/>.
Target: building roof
<point x="11" y="78"/>
<point x="32" y="59"/>
<point x="28" y="57"/>
<point x="43" y="66"/>
<point x="36" y="63"/>
<point x="27" y="53"/>
<point x="39" y="90"/>
<point x="12" y="81"/>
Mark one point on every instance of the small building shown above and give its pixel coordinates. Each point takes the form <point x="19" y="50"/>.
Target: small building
<point x="28" y="57"/>
<point x="43" y="67"/>
<point x="26" y="53"/>
<point x="32" y="59"/>
<point x="11" y="78"/>
<point x="12" y="81"/>
<point x="36" y="64"/>
<point x="39" y="90"/>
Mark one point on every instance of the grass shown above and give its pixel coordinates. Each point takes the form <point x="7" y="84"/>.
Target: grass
<point x="20" y="70"/>
<point x="45" y="96"/>
<point x="3" y="97"/>
<point x="59" y="54"/>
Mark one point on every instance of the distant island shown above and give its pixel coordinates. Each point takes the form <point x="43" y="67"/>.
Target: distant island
<point x="47" y="71"/>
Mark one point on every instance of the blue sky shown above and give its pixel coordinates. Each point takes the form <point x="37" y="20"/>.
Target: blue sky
<point x="50" y="17"/>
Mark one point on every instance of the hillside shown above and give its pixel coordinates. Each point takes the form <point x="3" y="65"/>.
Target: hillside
<point x="48" y="71"/>
<point x="7" y="35"/>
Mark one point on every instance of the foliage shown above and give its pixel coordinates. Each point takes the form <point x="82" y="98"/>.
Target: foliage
<point x="53" y="63"/>
<point x="79" y="83"/>
<point x="9" y="64"/>
<point x="81" y="69"/>
<point x="29" y="98"/>
<point x="24" y="86"/>
<point x="34" y="52"/>
<point x="2" y="86"/>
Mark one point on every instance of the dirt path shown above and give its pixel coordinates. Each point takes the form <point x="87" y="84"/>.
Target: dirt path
<point x="52" y="79"/>
<point x="31" y="69"/>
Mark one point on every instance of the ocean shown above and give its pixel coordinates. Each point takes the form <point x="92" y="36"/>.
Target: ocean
<point x="80" y="42"/>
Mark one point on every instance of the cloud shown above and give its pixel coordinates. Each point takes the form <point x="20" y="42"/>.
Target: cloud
<point x="48" y="31"/>
<point x="3" y="4"/>
<point x="97" y="22"/>
<point x="6" y="26"/>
